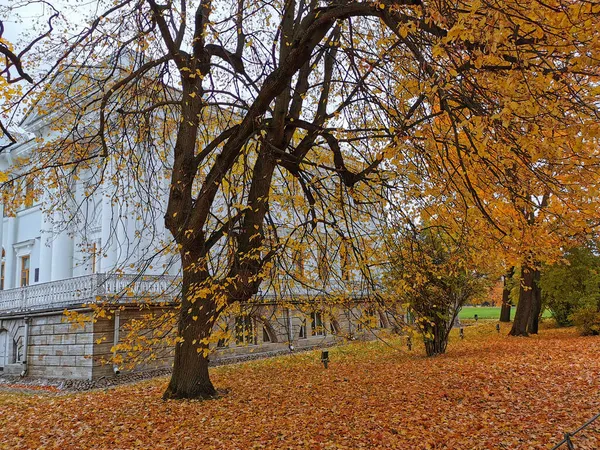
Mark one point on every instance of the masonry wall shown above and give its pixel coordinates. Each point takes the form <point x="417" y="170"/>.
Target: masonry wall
<point x="58" y="349"/>
<point x="103" y="338"/>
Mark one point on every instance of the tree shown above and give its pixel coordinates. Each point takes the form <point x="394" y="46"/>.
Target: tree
<point x="432" y="273"/>
<point x="233" y="104"/>
<point x="12" y="71"/>
<point x="506" y="303"/>
<point x="571" y="288"/>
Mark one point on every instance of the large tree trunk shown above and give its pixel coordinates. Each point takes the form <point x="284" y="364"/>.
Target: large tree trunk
<point x="524" y="307"/>
<point x="190" y="378"/>
<point x="385" y="323"/>
<point x="536" y="304"/>
<point x="436" y="337"/>
<point x="506" y="305"/>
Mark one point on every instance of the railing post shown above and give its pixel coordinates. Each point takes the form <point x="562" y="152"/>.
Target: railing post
<point x="23" y="299"/>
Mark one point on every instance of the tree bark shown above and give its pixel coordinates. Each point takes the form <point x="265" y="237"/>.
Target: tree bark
<point x="190" y="379"/>
<point x="536" y="305"/>
<point x="524" y="306"/>
<point x="436" y="339"/>
<point x="383" y="319"/>
<point x="268" y="327"/>
<point x="506" y="305"/>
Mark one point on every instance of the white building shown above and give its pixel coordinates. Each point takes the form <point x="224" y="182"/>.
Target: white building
<point x="92" y="243"/>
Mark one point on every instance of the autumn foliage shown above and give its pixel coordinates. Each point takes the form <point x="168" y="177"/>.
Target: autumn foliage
<point x="478" y="396"/>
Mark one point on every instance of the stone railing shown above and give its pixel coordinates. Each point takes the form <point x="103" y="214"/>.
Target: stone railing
<point x="77" y="291"/>
<point x="123" y="289"/>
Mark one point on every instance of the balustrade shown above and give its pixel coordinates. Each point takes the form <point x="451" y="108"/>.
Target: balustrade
<point x="78" y="291"/>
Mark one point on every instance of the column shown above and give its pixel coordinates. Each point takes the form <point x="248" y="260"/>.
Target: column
<point x="62" y="249"/>
<point x="81" y="255"/>
<point x="45" y="263"/>
<point x="10" y="275"/>
<point x="130" y="247"/>
<point x="108" y="250"/>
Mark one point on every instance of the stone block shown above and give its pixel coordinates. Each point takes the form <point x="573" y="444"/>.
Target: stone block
<point x="64" y="328"/>
<point x="35" y="330"/>
<point x="69" y="339"/>
<point x="38" y="340"/>
<point x="68" y="360"/>
<point x="80" y="373"/>
<point x="75" y="350"/>
<point x="41" y="350"/>
<point x="46" y="360"/>
<point x="84" y="338"/>
<point x="47" y="329"/>
<point x="54" y="339"/>
<point x="41" y="320"/>
<point x="13" y="369"/>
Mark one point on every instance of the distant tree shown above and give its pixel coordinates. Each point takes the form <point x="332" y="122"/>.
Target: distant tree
<point x="433" y="274"/>
<point x="571" y="289"/>
<point x="506" y="305"/>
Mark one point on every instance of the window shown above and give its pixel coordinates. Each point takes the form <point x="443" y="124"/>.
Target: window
<point x="29" y="194"/>
<point x="316" y="324"/>
<point x="302" y="331"/>
<point x="368" y="319"/>
<point x="25" y="270"/>
<point x="245" y="332"/>
<point x="223" y="341"/>
<point x="266" y="337"/>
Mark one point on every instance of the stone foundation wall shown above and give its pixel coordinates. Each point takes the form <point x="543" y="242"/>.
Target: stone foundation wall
<point x="58" y="349"/>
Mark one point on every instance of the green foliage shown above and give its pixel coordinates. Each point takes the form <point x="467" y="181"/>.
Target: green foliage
<point x="571" y="289"/>
<point x="587" y="319"/>
<point x="432" y="273"/>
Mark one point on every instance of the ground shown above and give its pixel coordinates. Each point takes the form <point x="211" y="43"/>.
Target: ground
<point x="488" y="312"/>
<point x="489" y="391"/>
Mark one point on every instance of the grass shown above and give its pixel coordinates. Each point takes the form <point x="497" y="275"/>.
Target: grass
<point x="489" y="312"/>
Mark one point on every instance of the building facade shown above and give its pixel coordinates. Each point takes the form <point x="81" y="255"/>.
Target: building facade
<point x="103" y="240"/>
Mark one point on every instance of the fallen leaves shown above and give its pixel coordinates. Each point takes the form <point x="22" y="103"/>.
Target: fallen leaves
<point x="489" y="391"/>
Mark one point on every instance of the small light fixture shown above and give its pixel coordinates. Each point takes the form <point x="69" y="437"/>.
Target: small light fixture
<point x="325" y="358"/>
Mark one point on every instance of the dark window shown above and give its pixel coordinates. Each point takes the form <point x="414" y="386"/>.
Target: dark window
<point x="316" y="324"/>
<point x="244" y="330"/>
<point x="222" y="342"/>
<point x="302" y="332"/>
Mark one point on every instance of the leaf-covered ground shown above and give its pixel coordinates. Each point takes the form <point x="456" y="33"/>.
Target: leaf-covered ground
<point x="490" y="391"/>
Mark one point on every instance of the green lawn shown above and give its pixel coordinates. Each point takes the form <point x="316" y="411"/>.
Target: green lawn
<point x="488" y="312"/>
